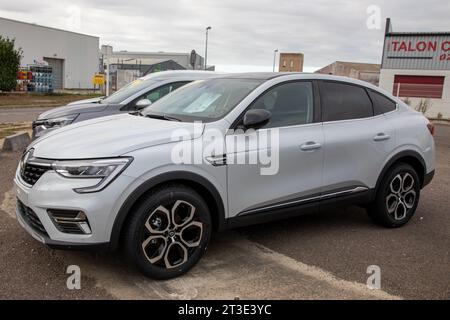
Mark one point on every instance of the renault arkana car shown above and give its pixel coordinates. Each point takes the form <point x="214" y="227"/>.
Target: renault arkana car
<point x="119" y="180"/>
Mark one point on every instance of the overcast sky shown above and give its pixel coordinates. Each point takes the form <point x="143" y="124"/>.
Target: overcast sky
<point x="244" y="33"/>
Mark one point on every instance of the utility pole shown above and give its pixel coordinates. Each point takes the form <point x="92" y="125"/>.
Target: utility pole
<point x="206" y="46"/>
<point x="274" y="59"/>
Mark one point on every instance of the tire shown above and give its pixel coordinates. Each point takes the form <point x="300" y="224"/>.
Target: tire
<point x="396" y="199"/>
<point x="168" y="232"/>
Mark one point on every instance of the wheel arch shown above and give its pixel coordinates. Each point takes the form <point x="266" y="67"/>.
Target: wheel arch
<point x="205" y="188"/>
<point x="413" y="158"/>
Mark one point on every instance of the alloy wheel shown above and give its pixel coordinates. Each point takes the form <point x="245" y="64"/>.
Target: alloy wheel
<point x="171" y="235"/>
<point x="401" y="195"/>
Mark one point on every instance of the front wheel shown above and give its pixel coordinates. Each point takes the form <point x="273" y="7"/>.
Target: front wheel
<point x="397" y="197"/>
<point x="168" y="232"/>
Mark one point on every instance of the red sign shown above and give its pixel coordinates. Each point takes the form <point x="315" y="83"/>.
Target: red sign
<point x="419" y="46"/>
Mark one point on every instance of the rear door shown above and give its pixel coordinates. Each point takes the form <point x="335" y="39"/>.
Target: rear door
<point x="357" y="140"/>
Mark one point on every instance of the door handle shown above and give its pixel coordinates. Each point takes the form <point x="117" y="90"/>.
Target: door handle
<point x="381" y="137"/>
<point x="311" y="145"/>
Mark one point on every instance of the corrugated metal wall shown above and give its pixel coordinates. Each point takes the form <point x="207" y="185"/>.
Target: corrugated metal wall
<point x="422" y="52"/>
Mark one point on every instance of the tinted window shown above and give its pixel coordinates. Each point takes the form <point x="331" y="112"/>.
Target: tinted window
<point x="381" y="104"/>
<point x="128" y="90"/>
<point x="160" y="92"/>
<point x="290" y="104"/>
<point x="341" y="102"/>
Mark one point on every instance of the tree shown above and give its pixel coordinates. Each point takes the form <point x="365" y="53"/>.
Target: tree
<point x="9" y="64"/>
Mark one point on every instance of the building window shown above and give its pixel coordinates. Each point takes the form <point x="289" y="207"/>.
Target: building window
<point x="284" y="63"/>
<point x="292" y="63"/>
<point x="418" y="86"/>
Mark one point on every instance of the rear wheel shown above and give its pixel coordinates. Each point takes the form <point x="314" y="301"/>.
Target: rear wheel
<point x="168" y="232"/>
<point x="397" y="197"/>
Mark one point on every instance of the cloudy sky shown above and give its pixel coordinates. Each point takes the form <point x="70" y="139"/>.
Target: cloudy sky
<point x="244" y="33"/>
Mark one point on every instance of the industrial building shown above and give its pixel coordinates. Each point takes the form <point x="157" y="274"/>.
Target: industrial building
<point x="291" y="62"/>
<point x="416" y="67"/>
<point x="368" y="72"/>
<point x="126" y="66"/>
<point x="73" y="57"/>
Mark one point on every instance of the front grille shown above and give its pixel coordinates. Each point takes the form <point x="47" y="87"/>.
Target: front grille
<point x="32" y="172"/>
<point x="31" y="218"/>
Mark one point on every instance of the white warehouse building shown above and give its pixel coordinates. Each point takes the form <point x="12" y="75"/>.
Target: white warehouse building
<point x="74" y="57"/>
<point x="416" y="66"/>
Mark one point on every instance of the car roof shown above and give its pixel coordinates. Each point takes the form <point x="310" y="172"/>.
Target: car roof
<point x="194" y="74"/>
<point x="266" y="76"/>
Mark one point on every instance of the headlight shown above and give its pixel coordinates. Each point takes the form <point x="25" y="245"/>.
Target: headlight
<point x="56" y="122"/>
<point x="104" y="171"/>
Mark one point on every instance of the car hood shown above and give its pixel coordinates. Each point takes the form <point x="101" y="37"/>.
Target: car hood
<point x="109" y="137"/>
<point x="72" y="109"/>
<point x="84" y="101"/>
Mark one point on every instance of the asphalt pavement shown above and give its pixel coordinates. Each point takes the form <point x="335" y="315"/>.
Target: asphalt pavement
<point x="20" y="114"/>
<point x="310" y="257"/>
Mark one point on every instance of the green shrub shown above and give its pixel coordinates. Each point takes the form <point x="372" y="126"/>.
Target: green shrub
<point x="9" y="64"/>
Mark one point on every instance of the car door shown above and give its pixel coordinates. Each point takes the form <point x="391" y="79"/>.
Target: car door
<point x="356" y="140"/>
<point x="295" y="166"/>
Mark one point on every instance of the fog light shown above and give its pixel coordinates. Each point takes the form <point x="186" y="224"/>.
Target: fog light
<point x="70" y="221"/>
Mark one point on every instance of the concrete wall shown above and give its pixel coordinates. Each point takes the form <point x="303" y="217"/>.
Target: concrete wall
<point x="79" y="52"/>
<point x="437" y="105"/>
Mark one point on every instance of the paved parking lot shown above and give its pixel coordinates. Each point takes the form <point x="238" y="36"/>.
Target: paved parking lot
<point x="317" y="256"/>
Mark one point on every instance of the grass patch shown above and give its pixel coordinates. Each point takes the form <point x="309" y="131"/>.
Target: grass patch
<point x="41" y="99"/>
<point x="7" y="129"/>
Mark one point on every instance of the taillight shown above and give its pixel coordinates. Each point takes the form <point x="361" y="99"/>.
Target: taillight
<point x="431" y="128"/>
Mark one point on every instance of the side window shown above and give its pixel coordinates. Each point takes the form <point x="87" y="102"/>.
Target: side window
<point x="290" y="104"/>
<point x="381" y="103"/>
<point x="343" y="101"/>
<point x="160" y="92"/>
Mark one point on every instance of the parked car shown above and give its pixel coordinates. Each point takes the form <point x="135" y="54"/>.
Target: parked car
<point x="90" y="100"/>
<point x="134" y="96"/>
<point x="114" y="179"/>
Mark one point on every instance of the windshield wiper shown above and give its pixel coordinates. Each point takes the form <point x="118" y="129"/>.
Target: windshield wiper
<point x="161" y="117"/>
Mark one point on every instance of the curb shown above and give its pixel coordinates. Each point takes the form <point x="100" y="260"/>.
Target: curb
<point x="16" y="142"/>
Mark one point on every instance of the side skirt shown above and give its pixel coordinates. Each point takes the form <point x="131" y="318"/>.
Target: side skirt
<point x="301" y="207"/>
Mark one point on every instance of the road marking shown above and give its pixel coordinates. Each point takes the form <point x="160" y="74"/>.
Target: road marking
<point x="233" y="267"/>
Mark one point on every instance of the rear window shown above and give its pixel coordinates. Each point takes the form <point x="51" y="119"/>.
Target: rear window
<point x="381" y="103"/>
<point x="342" y="101"/>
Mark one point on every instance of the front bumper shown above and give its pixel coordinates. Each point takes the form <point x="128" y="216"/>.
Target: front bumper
<point x="53" y="191"/>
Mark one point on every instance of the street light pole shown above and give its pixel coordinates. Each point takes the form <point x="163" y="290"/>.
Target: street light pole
<point x="274" y="59"/>
<point x="206" y="46"/>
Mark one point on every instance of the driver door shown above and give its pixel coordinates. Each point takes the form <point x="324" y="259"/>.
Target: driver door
<point x="295" y="170"/>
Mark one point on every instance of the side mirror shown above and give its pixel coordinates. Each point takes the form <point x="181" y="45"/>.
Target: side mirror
<point x="143" y="103"/>
<point x="256" y="118"/>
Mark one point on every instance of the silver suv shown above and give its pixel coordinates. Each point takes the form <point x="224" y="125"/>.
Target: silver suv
<point x="220" y="153"/>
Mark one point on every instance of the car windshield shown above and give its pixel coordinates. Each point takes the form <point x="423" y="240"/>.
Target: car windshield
<point x="128" y="90"/>
<point x="203" y="100"/>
